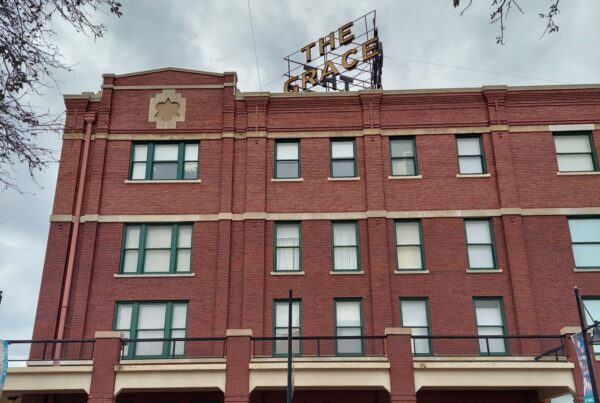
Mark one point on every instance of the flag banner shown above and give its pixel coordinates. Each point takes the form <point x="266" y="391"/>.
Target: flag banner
<point x="579" y="343"/>
<point x="3" y="363"/>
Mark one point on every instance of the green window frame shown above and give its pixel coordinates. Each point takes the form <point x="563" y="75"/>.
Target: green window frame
<point x="592" y="313"/>
<point x="145" y="248"/>
<point x="340" y="158"/>
<point x="418" y="326"/>
<point x="285" y="160"/>
<point x="585" y="241"/>
<point x="283" y="247"/>
<point x="471" y="159"/>
<point x="177" y="161"/>
<point x="403" y="156"/>
<point x="487" y="326"/>
<point x="410" y="255"/>
<point x="346" y="249"/>
<point x="130" y="318"/>
<point x="348" y="347"/>
<point x="480" y="245"/>
<point x="281" y="329"/>
<point x="573" y="157"/>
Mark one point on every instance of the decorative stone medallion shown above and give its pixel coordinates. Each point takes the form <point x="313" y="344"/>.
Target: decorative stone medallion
<point x="166" y="109"/>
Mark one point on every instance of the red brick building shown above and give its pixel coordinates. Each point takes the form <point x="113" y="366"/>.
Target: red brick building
<point x="186" y="209"/>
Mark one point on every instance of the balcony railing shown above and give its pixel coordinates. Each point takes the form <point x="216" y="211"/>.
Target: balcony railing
<point x="169" y="348"/>
<point x="21" y="352"/>
<point x="320" y="346"/>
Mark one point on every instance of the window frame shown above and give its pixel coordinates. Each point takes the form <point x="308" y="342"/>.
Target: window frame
<point x="414" y="159"/>
<point x="492" y="239"/>
<point x="481" y="154"/>
<point x="502" y="316"/>
<point x="362" y="325"/>
<point x="419" y="223"/>
<point x="274" y="326"/>
<point x="280" y="141"/>
<point x="592" y="153"/>
<point x="142" y="249"/>
<point x="357" y="246"/>
<point x="275" y="246"/>
<point x="590" y="217"/>
<point x="167" y="327"/>
<point x="428" y="327"/>
<point x="150" y="160"/>
<point x="331" y="159"/>
<point x="596" y="348"/>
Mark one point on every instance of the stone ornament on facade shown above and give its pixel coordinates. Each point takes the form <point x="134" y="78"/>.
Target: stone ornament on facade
<point x="166" y="109"/>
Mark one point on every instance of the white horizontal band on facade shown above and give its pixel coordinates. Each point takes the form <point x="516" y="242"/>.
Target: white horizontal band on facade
<point x="355" y="215"/>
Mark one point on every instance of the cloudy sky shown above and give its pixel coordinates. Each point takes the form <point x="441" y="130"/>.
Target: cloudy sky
<point x="427" y="44"/>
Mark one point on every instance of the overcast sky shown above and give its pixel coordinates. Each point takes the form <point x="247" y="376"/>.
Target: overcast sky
<point x="422" y="40"/>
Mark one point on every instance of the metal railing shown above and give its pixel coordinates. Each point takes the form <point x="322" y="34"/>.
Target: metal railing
<point x="174" y="347"/>
<point x="490" y="346"/>
<point x="320" y="346"/>
<point x="27" y="351"/>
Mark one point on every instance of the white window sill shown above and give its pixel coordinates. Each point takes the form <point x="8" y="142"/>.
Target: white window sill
<point x="406" y="177"/>
<point x="591" y="270"/>
<point x="473" y="175"/>
<point x="287" y="273"/>
<point x="287" y="180"/>
<point x="348" y="272"/>
<point x="411" y="271"/>
<point x="578" y="173"/>
<point x="121" y="275"/>
<point x="486" y="271"/>
<point x="142" y="181"/>
<point x="351" y="178"/>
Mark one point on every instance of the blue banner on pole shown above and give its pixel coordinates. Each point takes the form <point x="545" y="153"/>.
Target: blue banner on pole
<point x="579" y="343"/>
<point x="3" y="363"/>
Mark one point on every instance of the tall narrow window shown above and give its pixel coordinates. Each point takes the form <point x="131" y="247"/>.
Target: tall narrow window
<point x="409" y="246"/>
<point x="404" y="156"/>
<point x="574" y="152"/>
<point x="343" y="158"/>
<point x="287" y="247"/>
<point x="152" y="320"/>
<point x="348" y="322"/>
<point x="585" y="241"/>
<point x="415" y="315"/>
<point x="280" y="326"/>
<point x="480" y="244"/>
<point x="470" y="155"/>
<point x="157" y="248"/>
<point x="345" y="246"/>
<point x="287" y="159"/>
<point x="490" y="322"/>
<point x="592" y="314"/>
<point x="164" y="161"/>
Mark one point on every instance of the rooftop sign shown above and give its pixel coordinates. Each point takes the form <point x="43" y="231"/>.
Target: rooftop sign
<point x="349" y="58"/>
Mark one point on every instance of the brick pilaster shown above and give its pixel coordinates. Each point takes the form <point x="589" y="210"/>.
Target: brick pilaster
<point x="106" y="356"/>
<point x="237" y="380"/>
<point x="402" y="376"/>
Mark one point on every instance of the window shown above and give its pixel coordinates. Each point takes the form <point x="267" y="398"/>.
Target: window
<point x="574" y="152"/>
<point x="592" y="313"/>
<point x="287" y="159"/>
<point x="287" y="247"/>
<point x="480" y="244"/>
<point x="348" y="322"/>
<point x="157" y="248"/>
<point x="490" y="322"/>
<point x="345" y="246"/>
<point x="415" y="315"/>
<point x="585" y="238"/>
<point x="403" y="156"/>
<point x="409" y="246"/>
<point x="164" y="161"/>
<point x="280" y="326"/>
<point x="152" y="320"/>
<point x="470" y="155"/>
<point x="343" y="159"/>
